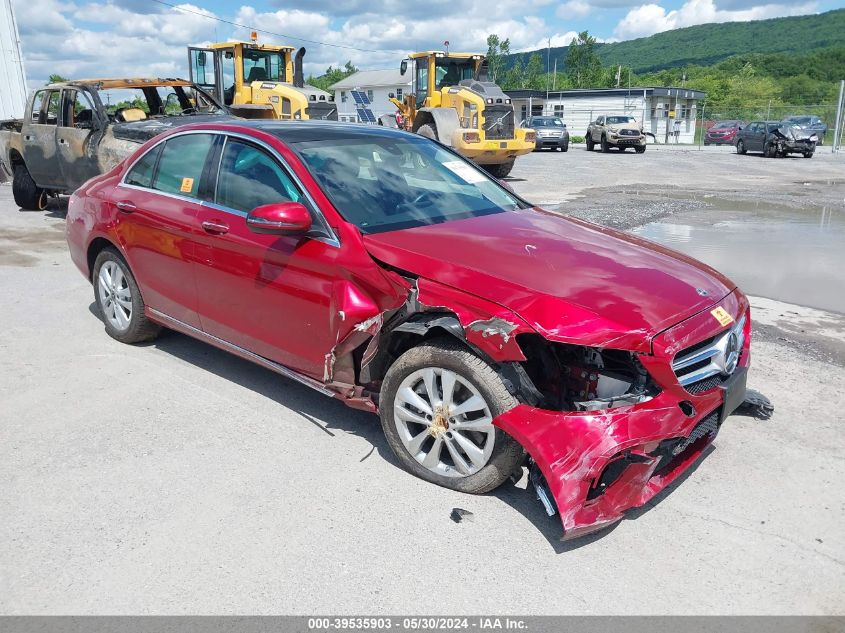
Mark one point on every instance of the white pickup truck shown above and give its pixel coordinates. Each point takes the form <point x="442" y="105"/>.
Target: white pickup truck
<point x="75" y="130"/>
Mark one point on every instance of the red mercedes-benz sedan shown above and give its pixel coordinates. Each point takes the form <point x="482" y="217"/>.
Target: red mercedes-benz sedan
<point x="383" y="269"/>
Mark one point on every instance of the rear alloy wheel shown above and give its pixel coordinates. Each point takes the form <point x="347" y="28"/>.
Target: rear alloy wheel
<point x="119" y="300"/>
<point x="605" y="146"/>
<point x="27" y="194"/>
<point x="499" y="171"/>
<point x="437" y="406"/>
<point x="740" y="147"/>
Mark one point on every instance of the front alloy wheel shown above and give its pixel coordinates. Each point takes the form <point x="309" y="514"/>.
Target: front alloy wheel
<point x="444" y="422"/>
<point x="437" y="406"/>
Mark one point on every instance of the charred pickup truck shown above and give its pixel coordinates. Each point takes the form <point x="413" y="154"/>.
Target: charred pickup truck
<point x="75" y="130"/>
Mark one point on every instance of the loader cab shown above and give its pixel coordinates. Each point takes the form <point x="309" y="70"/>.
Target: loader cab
<point x="436" y="70"/>
<point x="228" y="69"/>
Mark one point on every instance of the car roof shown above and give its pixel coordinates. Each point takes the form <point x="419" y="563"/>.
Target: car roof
<point x="304" y="131"/>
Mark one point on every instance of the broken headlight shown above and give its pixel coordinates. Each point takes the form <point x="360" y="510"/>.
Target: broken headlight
<point x="579" y="378"/>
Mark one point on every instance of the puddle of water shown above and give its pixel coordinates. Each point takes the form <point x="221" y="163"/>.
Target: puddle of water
<point x="794" y="255"/>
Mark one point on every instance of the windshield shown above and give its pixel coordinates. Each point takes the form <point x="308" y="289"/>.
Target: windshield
<point x="389" y="183"/>
<point x="263" y="66"/>
<point x="449" y="72"/>
<point x="125" y="104"/>
<point x="798" y="120"/>
<point x="616" y="120"/>
<point x="546" y="121"/>
<point x="725" y="124"/>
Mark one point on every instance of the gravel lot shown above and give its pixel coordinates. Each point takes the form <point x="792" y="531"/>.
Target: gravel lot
<point x="173" y="478"/>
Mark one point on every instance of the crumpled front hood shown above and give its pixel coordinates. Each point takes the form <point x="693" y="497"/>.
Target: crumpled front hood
<point x="570" y="280"/>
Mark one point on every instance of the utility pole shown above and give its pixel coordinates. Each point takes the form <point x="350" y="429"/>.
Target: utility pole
<point x="548" y="68"/>
<point x="12" y="75"/>
<point x="837" y="133"/>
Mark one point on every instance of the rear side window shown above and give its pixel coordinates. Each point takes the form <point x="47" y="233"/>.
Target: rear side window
<point x="141" y="174"/>
<point x="181" y="163"/>
<point x="250" y="177"/>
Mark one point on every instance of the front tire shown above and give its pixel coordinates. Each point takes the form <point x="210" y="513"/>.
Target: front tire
<point x="27" y="194"/>
<point x="565" y="147"/>
<point x="740" y="147"/>
<point x="429" y="130"/>
<point x="808" y="154"/>
<point x="119" y="300"/>
<point x="590" y="143"/>
<point x="437" y="406"/>
<point x="605" y="146"/>
<point x="640" y="149"/>
<point x="500" y="170"/>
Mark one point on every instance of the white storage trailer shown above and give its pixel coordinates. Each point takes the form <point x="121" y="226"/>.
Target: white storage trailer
<point x="12" y="77"/>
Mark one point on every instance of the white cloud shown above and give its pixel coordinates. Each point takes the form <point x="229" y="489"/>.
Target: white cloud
<point x="648" y="19"/>
<point x="574" y="9"/>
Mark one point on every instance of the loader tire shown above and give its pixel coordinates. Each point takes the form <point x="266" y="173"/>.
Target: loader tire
<point x="429" y="130"/>
<point x="27" y="194"/>
<point x="499" y="171"/>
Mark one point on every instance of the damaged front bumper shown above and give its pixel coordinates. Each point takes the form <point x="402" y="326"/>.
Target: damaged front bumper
<point x="599" y="464"/>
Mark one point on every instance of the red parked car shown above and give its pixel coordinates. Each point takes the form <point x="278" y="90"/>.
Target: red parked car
<point x="723" y="133"/>
<point x="383" y="269"/>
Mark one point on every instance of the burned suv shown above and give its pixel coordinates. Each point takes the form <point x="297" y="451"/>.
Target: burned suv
<point x="620" y="131"/>
<point x="75" y="130"/>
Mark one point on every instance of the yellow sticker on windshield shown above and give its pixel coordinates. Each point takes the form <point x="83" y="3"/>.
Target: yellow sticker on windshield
<point x="722" y="316"/>
<point x="187" y="185"/>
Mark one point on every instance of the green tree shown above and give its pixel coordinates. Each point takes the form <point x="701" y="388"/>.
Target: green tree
<point x="56" y="79"/>
<point x="583" y="65"/>
<point x="497" y="50"/>
<point x="533" y="76"/>
<point x="514" y="77"/>
<point x="331" y="76"/>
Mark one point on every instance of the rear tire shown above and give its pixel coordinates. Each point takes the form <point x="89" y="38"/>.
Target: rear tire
<point x="27" y="194"/>
<point x="499" y="171"/>
<point x="429" y="442"/>
<point x="119" y="300"/>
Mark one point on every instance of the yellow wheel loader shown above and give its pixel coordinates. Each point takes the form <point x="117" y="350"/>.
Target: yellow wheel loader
<point x="259" y="81"/>
<point x="453" y="101"/>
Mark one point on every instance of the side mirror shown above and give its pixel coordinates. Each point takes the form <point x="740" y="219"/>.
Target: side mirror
<point x="280" y="218"/>
<point x="403" y="67"/>
<point x="85" y="125"/>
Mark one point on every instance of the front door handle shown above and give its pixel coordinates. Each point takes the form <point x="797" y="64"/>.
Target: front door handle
<point x="215" y="227"/>
<point x="126" y="206"/>
<point x="62" y="141"/>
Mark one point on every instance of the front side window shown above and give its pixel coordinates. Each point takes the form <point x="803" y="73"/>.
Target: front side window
<point x="422" y="80"/>
<point x="451" y="71"/>
<point x="390" y="183"/>
<point x="181" y="163"/>
<point x="78" y="110"/>
<point x="249" y="178"/>
<point x="263" y="66"/>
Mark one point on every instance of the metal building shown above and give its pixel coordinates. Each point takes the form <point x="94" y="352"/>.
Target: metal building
<point x="12" y="77"/>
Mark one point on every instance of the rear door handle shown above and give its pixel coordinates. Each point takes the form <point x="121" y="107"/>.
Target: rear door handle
<point x="126" y="206"/>
<point x="215" y="227"/>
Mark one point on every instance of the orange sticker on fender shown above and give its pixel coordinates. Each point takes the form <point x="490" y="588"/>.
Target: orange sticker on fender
<point x="722" y="316"/>
<point x="187" y="185"/>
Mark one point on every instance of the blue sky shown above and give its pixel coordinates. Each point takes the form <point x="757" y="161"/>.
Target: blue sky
<point x="85" y="38"/>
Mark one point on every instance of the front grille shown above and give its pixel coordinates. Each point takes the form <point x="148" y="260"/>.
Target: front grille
<point x="629" y="132"/>
<point x="498" y="122"/>
<point x="715" y="357"/>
